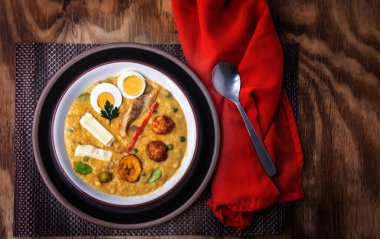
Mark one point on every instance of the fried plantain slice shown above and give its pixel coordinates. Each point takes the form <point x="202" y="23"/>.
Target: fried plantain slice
<point x="130" y="168"/>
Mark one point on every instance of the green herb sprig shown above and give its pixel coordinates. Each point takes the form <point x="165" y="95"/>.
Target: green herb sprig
<point x="82" y="168"/>
<point x="156" y="174"/>
<point x="110" y="111"/>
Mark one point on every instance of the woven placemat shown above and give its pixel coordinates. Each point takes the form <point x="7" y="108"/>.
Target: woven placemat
<point x="38" y="213"/>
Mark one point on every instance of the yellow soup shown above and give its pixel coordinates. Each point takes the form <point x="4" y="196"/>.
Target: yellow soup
<point x="175" y="141"/>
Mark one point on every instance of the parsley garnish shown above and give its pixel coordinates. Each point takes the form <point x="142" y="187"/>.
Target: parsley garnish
<point x="110" y="112"/>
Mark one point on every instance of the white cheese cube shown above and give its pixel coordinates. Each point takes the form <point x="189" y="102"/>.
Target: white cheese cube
<point x="97" y="129"/>
<point x="93" y="152"/>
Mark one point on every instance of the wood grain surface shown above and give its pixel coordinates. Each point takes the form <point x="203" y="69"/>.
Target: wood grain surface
<point x="339" y="94"/>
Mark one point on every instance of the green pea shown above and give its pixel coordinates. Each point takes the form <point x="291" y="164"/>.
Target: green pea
<point x="175" y="109"/>
<point x="84" y="96"/>
<point x="134" y="151"/>
<point x="182" y="139"/>
<point x="105" y="177"/>
<point x="82" y="168"/>
<point x="86" y="159"/>
<point x="169" y="146"/>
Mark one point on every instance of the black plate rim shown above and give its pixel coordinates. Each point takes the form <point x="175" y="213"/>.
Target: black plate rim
<point x="70" y="206"/>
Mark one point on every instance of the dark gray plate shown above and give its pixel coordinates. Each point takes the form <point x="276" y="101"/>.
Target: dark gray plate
<point x="157" y="211"/>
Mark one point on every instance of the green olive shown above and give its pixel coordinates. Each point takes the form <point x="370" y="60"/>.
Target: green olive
<point x="86" y="159"/>
<point x="84" y="96"/>
<point x="182" y="138"/>
<point x="168" y="94"/>
<point x="134" y="151"/>
<point x="169" y="146"/>
<point x="175" y="109"/>
<point x="105" y="177"/>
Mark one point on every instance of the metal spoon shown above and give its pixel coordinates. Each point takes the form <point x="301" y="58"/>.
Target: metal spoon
<point x="226" y="81"/>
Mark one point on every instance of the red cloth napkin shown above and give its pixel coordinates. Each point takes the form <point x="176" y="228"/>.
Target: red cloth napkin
<point x="242" y="33"/>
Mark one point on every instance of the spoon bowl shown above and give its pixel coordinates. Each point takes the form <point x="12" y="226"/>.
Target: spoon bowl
<point x="226" y="81"/>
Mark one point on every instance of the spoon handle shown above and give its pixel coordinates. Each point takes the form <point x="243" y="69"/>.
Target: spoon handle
<point x="264" y="157"/>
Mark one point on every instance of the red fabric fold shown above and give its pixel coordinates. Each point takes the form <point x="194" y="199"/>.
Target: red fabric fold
<point x="242" y="33"/>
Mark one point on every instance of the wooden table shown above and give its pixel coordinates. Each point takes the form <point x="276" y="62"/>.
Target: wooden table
<point x="339" y="94"/>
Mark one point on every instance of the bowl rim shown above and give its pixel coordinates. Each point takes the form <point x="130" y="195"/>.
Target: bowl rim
<point x="71" y="207"/>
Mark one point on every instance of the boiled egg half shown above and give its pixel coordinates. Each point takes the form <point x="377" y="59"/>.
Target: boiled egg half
<point x="103" y="92"/>
<point x="131" y="84"/>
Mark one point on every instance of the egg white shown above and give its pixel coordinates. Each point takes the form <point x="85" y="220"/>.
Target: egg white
<point x="120" y="81"/>
<point x="103" y="88"/>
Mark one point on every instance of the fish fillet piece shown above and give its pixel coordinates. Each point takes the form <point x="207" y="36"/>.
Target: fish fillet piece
<point x="138" y="107"/>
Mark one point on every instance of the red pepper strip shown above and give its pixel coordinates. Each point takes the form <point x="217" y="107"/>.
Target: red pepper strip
<point x="141" y="128"/>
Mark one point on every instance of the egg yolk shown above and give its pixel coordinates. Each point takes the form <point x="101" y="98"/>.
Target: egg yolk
<point x="103" y="97"/>
<point x="133" y="85"/>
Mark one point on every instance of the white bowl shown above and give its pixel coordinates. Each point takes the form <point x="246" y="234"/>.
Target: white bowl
<point x="99" y="73"/>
